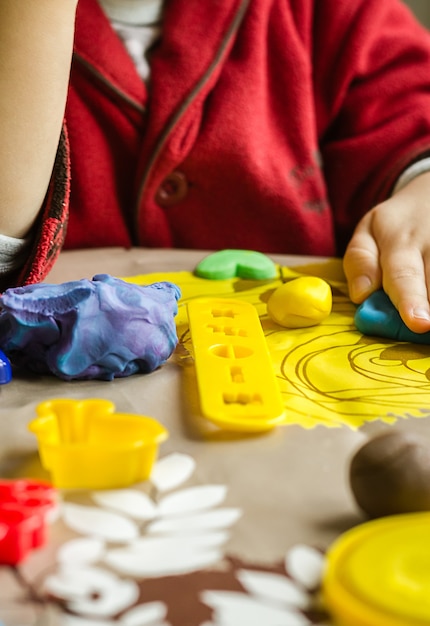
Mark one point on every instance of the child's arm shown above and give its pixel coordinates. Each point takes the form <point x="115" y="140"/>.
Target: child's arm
<point x="390" y="248"/>
<point x="36" y="41"/>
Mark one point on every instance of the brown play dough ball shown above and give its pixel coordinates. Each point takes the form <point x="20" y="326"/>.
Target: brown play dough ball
<point x="390" y="474"/>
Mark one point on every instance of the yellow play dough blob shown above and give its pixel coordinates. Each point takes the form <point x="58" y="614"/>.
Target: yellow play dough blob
<point x="304" y="301"/>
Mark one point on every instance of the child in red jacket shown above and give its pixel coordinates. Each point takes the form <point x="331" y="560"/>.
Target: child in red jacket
<point x="295" y="126"/>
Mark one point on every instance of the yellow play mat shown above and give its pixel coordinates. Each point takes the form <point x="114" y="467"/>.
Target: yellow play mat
<point x="328" y="374"/>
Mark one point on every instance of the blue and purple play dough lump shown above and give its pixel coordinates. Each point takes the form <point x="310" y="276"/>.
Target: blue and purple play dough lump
<point x="378" y="317"/>
<point x="101" y="328"/>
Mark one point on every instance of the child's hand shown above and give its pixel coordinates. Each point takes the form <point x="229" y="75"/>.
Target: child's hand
<point x="390" y="249"/>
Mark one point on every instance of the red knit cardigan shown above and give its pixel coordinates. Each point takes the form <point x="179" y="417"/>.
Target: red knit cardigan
<point x="271" y="125"/>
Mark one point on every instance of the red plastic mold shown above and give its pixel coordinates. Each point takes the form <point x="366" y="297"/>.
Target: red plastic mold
<point x="25" y="506"/>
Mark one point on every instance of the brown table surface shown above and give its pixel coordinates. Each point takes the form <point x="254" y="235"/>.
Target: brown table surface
<point x="290" y="484"/>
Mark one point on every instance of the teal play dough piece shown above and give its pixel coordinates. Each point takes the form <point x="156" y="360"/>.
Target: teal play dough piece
<point x="241" y="263"/>
<point x="378" y="317"/>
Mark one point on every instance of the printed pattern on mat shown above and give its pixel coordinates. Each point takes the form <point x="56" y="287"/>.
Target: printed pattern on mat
<point x="329" y="374"/>
<point x="155" y="554"/>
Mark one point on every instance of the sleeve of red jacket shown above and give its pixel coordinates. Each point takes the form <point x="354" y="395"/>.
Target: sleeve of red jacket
<point x="371" y="62"/>
<point x="50" y="229"/>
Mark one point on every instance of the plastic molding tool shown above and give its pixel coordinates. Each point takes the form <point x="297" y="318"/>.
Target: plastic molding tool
<point x="26" y="507"/>
<point x="235" y="377"/>
<point x="85" y="444"/>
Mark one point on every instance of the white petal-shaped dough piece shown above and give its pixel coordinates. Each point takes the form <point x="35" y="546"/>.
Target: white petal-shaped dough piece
<point x="108" y="602"/>
<point x="73" y="620"/>
<point x="98" y="523"/>
<point x="179" y="561"/>
<point x="238" y="608"/>
<point x="71" y="582"/>
<point x="274" y="588"/>
<point x="154" y="546"/>
<point x="171" y="471"/>
<point x="81" y="551"/>
<point x="219" y="518"/>
<point x="151" y="613"/>
<point x="128" y="501"/>
<point x="192" y="499"/>
<point x="305" y="565"/>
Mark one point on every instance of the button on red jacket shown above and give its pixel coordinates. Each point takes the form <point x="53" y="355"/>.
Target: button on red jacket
<point x="270" y="125"/>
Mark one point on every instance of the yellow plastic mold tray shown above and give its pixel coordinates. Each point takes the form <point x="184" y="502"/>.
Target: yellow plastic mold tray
<point x="235" y="376"/>
<point x="378" y="573"/>
<point x="84" y="444"/>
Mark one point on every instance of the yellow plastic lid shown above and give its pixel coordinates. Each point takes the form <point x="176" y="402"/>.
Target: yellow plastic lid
<point x="378" y="574"/>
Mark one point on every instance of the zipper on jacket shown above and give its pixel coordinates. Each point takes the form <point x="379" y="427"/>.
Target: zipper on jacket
<point x="105" y="81"/>
<point x="237" y="20"/>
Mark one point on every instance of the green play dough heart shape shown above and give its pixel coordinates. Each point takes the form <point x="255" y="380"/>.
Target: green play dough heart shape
<point x="241" y="263"/>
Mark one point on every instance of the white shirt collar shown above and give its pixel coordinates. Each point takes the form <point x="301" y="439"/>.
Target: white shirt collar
<point x="133" y="11"/>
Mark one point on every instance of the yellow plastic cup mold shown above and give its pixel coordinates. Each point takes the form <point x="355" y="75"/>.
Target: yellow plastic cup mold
<point x="378" y="574"/>
<point x="84" y="444"/>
